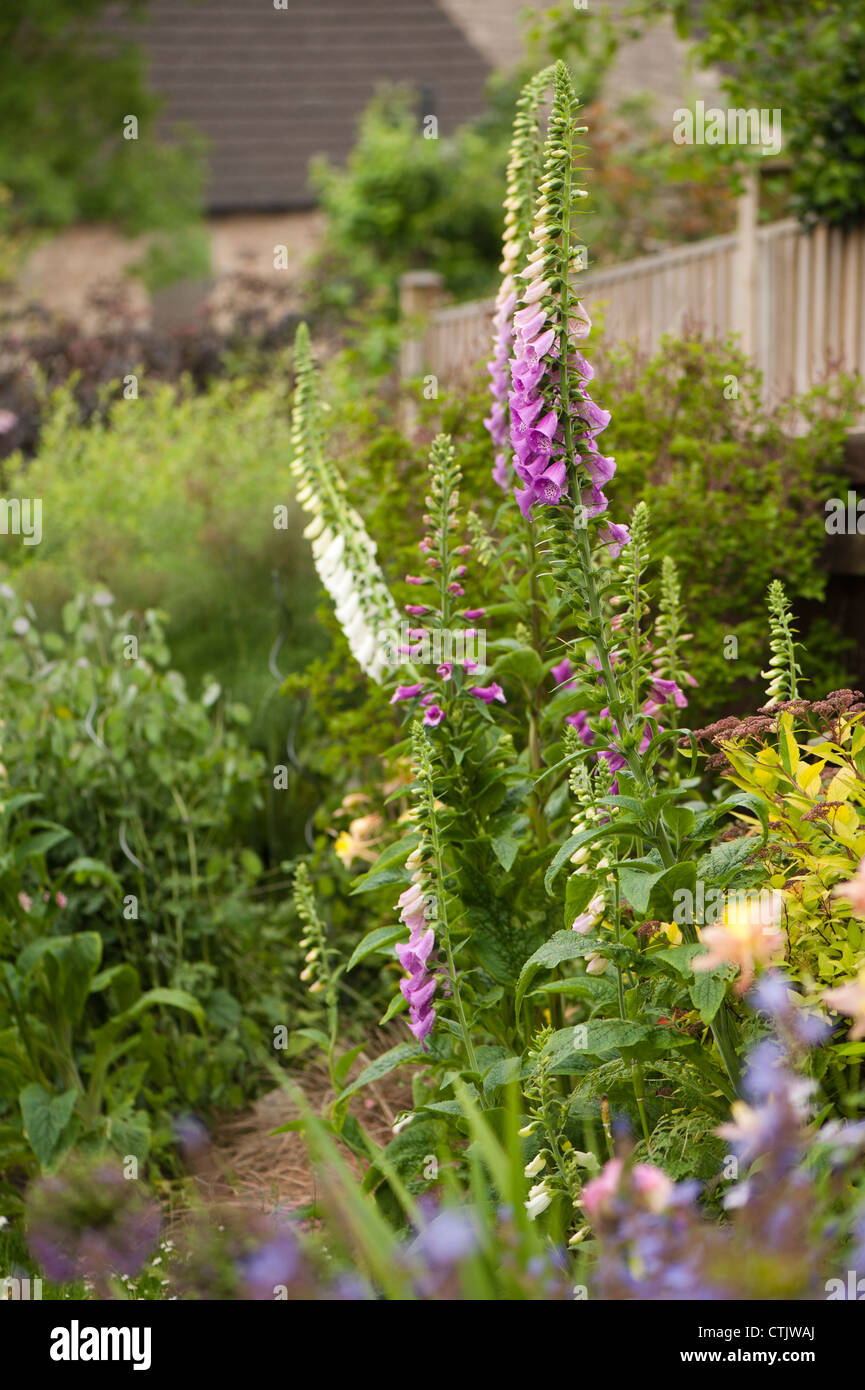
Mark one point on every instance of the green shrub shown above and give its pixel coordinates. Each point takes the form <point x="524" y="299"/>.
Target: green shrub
<point x="130" y="900"/>
<point x="168" y="500"/>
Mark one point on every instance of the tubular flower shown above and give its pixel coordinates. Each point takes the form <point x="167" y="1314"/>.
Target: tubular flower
<point x="554" y="423"/>
<point x="419" y="903"/>
<point x="518" y="199"/>
<point x="343" y="552"/>
<point x="417" y="911"/>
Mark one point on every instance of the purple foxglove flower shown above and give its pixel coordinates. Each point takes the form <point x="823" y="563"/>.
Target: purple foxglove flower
<point x="414" y="955"/>
<point x="530" y="319"/>
<point x="405" y="692"/>
<point x="663" y="691"/>
<point x="488" y="693"/>
<point x="591" y="415"/>
<point x="433" y="715"/>
<point x="615" y="537"/>
<point x="599" y="467"/>
<point x="562" y="672"/>
<point x="580" y="721"/>
<point x="550" y="485"/>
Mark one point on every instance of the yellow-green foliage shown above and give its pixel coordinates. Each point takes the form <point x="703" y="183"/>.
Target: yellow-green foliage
<point x="814" y="791"/>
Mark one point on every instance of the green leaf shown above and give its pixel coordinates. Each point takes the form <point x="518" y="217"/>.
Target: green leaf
<point x="679" y="957"/>
<point x="524" y="663"/>
<point x="637" y="882"/>
<point x="397" y="1005"/>
<point x="503" y="1071"/>
<point x="405" y="1154"/>
<point x="123" y="978"/>
<point x="680" y="820"/>
<point x="383" y="1065"/>
<point x="501" y="944"/>
<point x="367" y="883"/>
<point x="342" y="1065"/>
<point x="579" y="890"/>
<point x="85" y="867"/>
<point x="170" y="998"/>
<point x="45" y="1119"/>
<point x="506" y="842"/>
<point x="723" y="861"/>
<point x="224" y="1011"/>
<point x="707" y="994"/>
<point x="564" y="946"/>
<point x="599" y="832"/>
<point x="129" y="1136"/>
<point x="69" y="964"/>
<point x="661" y="902"/>
<point x="569" y="1048"/>
<point x="40" y="843"/>
<point x="376" y="940"/>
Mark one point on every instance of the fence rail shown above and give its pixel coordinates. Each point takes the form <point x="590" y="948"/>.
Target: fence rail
<point x="796" y="298"/>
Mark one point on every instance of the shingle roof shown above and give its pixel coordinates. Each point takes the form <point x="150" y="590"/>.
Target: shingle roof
<point x="272" y="87"/>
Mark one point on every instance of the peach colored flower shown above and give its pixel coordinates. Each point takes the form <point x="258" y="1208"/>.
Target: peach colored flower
<point x="744" y="939"/>
<point x="651" y="1186"/>
<point x="853" y="891"/>
<point x="359" y="840"/>
<point x="850" y="999"/>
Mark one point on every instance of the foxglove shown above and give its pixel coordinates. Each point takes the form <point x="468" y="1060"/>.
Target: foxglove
<point x="343" y="552"/>
<point x="518" y="205"/>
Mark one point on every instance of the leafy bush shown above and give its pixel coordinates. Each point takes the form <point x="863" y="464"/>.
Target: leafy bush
<point x="161" y="908"/>
<point x="805" y="61"/>
<point x="169" y="500"/>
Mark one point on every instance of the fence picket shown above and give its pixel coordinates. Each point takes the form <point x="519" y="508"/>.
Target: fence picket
<point x="810" y="305"/>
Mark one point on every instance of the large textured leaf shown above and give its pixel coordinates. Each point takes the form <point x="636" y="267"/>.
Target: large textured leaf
<point x="569" y="1048"/>
<point x="637" y="882"/>
<point x="707" y="994"/>
<point x="406" y="1154"/>
<point x="662" y="904"/>
<point x="723" y="861"/>
<point x="45" y="1119"/>
<point x="564" y="946"/>
<point x="501" y="944"/>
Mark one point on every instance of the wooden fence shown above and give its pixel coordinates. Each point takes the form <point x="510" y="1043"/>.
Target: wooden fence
<point x="796" y="299"/>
